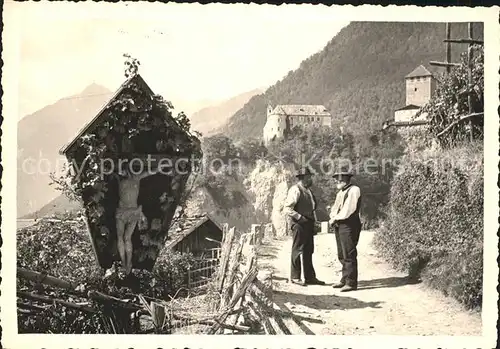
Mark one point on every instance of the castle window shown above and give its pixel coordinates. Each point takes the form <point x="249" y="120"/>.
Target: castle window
<point x="415" y="88"/>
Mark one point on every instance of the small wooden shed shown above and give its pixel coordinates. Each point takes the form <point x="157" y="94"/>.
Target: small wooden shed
<point x="199" y="234"/>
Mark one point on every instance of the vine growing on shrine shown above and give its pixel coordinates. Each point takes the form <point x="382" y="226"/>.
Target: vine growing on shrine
<point x="133" y="112"/>
<point x="450" y="102"/>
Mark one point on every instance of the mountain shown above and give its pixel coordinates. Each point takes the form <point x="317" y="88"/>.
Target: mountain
<point x="39" y="138"/>
<point x="209" y="119"/>
<point x="358" y="76"/>
<point x="58" y="206"/>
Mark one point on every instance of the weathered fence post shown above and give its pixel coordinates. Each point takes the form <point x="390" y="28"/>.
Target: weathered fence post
<point x="269" y="232"/>
<point x="256" y="234"/>
<point x="470" y="57"/>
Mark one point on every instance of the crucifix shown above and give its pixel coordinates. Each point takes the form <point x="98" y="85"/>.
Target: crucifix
<point x="129" y="213"/>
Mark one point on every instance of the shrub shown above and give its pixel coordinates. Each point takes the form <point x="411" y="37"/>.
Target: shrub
<point x="375" y="193"/>
<point x="434" y="225"/>
<point x="64" y="250"/>
<point x="60" y="249"/>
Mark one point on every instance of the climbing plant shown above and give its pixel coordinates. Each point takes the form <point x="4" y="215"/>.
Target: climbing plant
<point x="131" y="65"/>
<point x="450" y="101"/>
<point x="134" y="123"/>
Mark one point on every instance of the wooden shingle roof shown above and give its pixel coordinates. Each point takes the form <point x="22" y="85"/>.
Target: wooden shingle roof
<point x="185" y="225"/>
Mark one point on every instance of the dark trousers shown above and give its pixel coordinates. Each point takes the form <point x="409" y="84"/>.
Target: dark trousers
<point x="302" y="251"/>
<point x="347" y="236"/>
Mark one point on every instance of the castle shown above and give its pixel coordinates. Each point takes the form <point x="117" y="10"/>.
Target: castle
<point x="283" y="118"/>
<point x="420" y="87"/>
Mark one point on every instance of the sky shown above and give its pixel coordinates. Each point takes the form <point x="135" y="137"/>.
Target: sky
<point x="194" y="55"/>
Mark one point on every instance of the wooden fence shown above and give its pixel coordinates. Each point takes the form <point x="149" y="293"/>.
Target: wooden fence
<point x="199" y="274"/>
<point x="212" y="253"/>
<point x="245" y="305"/>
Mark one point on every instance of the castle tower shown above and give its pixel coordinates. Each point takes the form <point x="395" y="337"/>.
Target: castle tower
<point x="275" y="126"/>
<point x="269" y="109"/>
<point x="420" y="86"/>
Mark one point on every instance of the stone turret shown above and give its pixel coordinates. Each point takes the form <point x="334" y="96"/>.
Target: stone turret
<point x="420" y="86"/>
<point x="269" y="109"/>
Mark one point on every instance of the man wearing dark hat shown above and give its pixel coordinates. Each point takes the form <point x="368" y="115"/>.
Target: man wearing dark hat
<point x="344" y="217"/>
<point x="300" y="208"/>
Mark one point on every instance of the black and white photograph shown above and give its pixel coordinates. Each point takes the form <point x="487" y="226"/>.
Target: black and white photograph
<point x="231" y="169"/>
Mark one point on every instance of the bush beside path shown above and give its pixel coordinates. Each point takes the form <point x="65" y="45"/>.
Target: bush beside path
<point x="386" y="302"/>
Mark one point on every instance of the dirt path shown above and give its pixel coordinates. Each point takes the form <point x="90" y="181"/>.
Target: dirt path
<point x="385" y="302"/>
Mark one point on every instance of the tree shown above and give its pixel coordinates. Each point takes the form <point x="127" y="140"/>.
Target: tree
<point x="251" y="149"/>
<point x="219" y="147"/>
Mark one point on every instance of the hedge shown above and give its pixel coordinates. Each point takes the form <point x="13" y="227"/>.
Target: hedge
<point x="434" y="224"/>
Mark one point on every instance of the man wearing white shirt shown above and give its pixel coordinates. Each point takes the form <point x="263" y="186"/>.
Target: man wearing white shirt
<point x="344" y="217"/>
<point x="300" y="209"/>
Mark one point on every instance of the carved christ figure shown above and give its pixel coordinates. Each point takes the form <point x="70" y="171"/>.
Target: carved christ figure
<point x="128" y="212"/>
